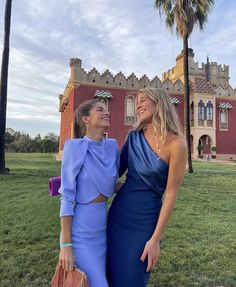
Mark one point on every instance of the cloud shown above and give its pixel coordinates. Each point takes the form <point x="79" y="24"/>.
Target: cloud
<point x="122" y="35"/>
<point x="33" y="126"/>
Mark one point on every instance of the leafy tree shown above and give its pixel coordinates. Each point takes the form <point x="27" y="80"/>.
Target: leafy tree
<point x="21" y="142"/>
<point x="9" y="136"/>
<point x="183" y="15"/>
<point x="37" y="143"/>
<point x="50" y="143"/>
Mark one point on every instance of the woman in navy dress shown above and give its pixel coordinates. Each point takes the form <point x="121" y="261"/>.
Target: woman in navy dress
<point x="155" y="156"/>
<point x="88" y="177"/>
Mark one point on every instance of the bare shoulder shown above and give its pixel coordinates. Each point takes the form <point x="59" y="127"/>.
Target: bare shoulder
<point x="178" y="145"/>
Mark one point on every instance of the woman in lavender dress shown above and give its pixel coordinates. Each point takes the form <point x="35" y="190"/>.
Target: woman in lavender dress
<point x="88" y="174"/>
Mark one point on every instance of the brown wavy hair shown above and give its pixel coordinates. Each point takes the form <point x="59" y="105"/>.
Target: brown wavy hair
<point x="82" y="110"/>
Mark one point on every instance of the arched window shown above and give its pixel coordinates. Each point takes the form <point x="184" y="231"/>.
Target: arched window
<point x="209" y="112"/>
<point x="130" y="110"/>
<point x="223" y="119"/>
<point x="201" y="113"/>
<point x="201" y="110"/>
<point x="130" y="107"/>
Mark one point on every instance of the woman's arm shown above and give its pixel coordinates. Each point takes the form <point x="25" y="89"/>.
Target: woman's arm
<point x="66" y="257"/>
<point x="71" y="164"/>
<point x="177" y="164"/>
<point x="74" y="154"/>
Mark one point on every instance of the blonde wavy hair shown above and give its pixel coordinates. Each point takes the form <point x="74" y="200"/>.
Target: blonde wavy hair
<point x="165" y="118"/>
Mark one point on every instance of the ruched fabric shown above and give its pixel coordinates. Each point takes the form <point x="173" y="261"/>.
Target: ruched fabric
<point x="88" y="168"/>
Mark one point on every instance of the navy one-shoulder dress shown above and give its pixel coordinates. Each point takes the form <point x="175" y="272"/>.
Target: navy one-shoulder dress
<point x="134" y="212"/>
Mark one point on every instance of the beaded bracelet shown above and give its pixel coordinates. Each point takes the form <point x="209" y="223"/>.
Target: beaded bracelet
<point x="66" y="245"/>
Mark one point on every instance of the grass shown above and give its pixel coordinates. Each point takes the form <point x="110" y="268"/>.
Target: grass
<point x="198" y="248"/>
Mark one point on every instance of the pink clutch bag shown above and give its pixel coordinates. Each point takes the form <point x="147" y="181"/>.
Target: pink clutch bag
<point x="54" y="185"/>
<point x="74" y="278"/>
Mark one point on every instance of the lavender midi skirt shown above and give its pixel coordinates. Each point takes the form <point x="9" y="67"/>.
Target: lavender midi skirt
<point x="89" y="241"/>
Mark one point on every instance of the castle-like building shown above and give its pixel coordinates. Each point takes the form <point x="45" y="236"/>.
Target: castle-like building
<point x="213" y="100"/>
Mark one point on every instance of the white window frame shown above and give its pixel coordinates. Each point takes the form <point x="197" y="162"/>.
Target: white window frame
<point x="226" y="117"/>
<point x="129" y="119"/>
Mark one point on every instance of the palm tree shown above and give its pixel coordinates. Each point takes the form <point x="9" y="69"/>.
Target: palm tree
<point x="183" y="15"/>
<point x="3" y="84"/>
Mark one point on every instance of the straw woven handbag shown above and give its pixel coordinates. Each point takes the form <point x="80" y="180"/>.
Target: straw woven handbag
<point x="73" y="278"/>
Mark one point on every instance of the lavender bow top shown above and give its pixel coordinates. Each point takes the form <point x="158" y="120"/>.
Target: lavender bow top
<point x="88" y="168"/>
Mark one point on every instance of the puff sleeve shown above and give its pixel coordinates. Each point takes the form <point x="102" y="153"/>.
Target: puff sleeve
<point x="74" y="154"/>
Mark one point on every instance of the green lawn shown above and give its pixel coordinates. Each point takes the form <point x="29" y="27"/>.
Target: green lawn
<point x="199" y="247"/>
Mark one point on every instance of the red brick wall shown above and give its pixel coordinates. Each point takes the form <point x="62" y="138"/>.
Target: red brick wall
<point x="66" y="120"/>
<point x="226" y="140"/>
<point x="116" y="107"/>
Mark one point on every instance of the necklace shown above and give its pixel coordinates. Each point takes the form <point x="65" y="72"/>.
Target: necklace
<point x="157" y="143"/>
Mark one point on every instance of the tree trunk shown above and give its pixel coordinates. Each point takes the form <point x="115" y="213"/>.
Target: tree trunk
<point x="187" y="103"/>
<point x="3" y="84"/>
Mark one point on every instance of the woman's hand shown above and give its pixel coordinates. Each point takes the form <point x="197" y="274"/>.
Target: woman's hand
<point x="118" y="186"/>
<point x="152" y="251"/>
<point x="66" y="258"/>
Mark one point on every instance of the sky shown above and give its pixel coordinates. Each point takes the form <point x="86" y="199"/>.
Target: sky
<point x="127" y="36"/>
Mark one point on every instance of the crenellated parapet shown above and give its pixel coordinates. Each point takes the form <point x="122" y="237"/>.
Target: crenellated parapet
<point x="222" y="91"/>
<point x="211" y="71"/>
<point x="75" y="62"/>
<point x="172" y="80"/>
<point x="79" y="76"/>
<point x="217" y="74"/>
